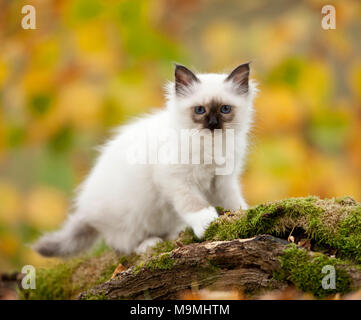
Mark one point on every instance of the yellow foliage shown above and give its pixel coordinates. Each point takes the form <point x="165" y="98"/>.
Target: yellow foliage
<point x="97" y="42"/>
<point x="3" y="71"/>
<point x="333" y="178"/>
<point x="218" y="42"/>
<point x="37" y="78"/>
<point x="260" y="185"/>
<point x="33" y="258"/>
<point x="45" y="207"/>
<point x="355" y="78"/>
<point x="9" y="244"/>
<point x="354" y="147"/>
<point x="2" y="138"/>
<point x="277" y="109"/>
<point x="315" y="85"/>
<point x="46" y="54"/>
<point x="10" y="204"/>
<point x="79" y="104"/>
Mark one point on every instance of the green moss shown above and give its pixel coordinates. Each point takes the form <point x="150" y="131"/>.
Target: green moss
<point x="163" y="261"/>
<point x="65" y="280"/>
<point x="164" y="246"/>
<point x="90" y="296"/>
<point x="106" y="274"/>
<point x="265" y="218"/>
<point x="138" y="267"/>
<point x="188" y="237"/>
<point x="305" y="272"/>
<point x="129" y="260"/>
<point x="53" y="283"/>
<point x="99" y="249"/>
<point x="220" y="210"/>
<point x="349" y="235"/>
<point x="331" y="223"/>
<point x="346" y="200"/>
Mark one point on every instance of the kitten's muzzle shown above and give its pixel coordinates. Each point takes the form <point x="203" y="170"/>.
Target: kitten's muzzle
<point x="213" y="122"/>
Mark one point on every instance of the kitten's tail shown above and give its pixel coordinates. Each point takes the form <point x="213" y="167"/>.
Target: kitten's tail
<point x="74" y="237"/>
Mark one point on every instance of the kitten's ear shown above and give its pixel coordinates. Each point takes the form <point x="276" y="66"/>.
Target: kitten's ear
<point x="183" y="78"/>
<point x="239" y="76"/>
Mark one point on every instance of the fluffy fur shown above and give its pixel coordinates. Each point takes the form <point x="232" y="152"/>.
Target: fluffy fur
<point x="133" y="206"/>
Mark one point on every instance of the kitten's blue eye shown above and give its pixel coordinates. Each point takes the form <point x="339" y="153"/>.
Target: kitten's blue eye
<point x="226" y="109"/>
<point x="199" y="110"/>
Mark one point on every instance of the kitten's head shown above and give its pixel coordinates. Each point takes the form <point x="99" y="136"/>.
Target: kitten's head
<point x="212" y="101"/>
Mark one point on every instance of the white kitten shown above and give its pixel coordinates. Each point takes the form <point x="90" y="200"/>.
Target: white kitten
<point x="133" y="205"/>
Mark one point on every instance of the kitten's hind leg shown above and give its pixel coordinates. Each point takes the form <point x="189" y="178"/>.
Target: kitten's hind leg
<point x="147" y="243"/>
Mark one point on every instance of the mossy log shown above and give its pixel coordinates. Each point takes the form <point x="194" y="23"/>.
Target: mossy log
<point x="241" y="264"/>
<point x="267" y="247"/>
<point x="248" y="265"/>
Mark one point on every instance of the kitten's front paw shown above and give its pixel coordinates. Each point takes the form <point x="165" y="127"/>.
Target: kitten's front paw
<point x="200" y="220"/>
<point x="146" y="244"/>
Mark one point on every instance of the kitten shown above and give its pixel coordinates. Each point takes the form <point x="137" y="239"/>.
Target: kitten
<point x="133" y="206"/>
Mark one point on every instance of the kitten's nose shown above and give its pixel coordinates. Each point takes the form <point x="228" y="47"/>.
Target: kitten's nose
<point x="212" y="122"/>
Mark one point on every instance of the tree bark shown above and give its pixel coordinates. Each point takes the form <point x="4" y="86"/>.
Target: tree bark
<point x="243" y="264"/>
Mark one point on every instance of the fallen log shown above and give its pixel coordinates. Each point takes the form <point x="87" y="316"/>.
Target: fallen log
<point x="247" y="265"/>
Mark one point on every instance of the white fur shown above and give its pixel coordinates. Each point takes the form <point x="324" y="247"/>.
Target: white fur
<point x="133" y="206"/>
<point x="200" y="220"/>
<point x="147" y="243"/>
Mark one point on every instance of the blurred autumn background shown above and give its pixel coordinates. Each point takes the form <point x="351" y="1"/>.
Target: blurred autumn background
<point x="91" y="65"/>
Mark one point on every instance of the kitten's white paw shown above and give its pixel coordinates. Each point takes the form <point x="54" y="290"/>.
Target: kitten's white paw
<point x="200" y="220"/>
<point x="147" y="243"/>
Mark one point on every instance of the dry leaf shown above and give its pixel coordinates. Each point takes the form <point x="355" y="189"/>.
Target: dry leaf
<point x="305" y="243"/>
<point x="120" y="268"/>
